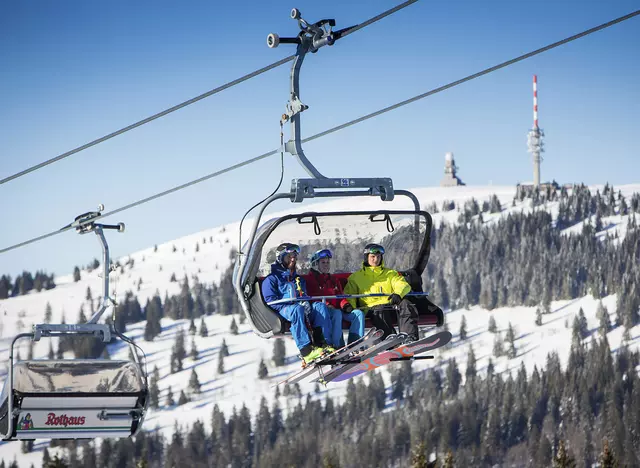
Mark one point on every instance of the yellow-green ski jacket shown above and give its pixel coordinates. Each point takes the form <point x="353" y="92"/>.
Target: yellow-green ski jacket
<point x="370" y="280"/>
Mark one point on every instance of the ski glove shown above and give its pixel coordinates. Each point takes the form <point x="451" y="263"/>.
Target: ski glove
<point x="395" y="299"/>
<point x="347" y="309"/>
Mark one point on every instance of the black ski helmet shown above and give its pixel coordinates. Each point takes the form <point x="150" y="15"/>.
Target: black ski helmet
<point x="372" y="249"/>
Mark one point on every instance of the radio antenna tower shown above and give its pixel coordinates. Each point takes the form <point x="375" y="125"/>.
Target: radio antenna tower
<point x="535" y="137"/>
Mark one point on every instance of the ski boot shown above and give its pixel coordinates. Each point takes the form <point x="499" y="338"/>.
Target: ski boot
<point x="311" y="356"/>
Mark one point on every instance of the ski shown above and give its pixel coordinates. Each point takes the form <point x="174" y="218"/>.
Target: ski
<point x="390" y="342"/>
<point x="368" y="339"/>
<point x="401" y="353"/>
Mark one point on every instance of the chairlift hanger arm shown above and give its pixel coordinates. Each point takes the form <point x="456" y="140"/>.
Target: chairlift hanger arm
<point x="310" y="39"/>
<point x="83" y="224"/>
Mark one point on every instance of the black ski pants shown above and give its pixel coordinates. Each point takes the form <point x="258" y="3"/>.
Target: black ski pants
<point x="407" y="313"/>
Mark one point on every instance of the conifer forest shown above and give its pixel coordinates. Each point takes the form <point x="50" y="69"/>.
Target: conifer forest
<point x="584" y="414"/>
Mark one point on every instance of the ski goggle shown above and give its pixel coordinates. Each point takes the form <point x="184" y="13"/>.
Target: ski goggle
<point x="324" y="253"/>
<point x="374" y="249"/>
<point x="288" y="249"/>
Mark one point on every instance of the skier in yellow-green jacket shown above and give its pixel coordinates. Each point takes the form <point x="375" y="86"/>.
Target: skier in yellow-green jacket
<point x="375" y="278"/>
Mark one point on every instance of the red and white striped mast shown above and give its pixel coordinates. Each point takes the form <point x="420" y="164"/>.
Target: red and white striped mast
<point x="535" y="136"/>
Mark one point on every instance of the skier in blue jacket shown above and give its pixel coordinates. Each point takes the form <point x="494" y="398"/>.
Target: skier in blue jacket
<point x="284" y="282"/>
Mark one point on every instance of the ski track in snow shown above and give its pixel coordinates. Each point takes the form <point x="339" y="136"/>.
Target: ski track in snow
<point x="239" y="384"/>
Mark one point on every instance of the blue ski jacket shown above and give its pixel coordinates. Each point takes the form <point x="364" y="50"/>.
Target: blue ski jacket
<point x="281" y="284"/>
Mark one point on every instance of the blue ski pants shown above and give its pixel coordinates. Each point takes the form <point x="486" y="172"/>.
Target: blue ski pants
<point x="318" y="316"/>
<point x="356" y="327"/>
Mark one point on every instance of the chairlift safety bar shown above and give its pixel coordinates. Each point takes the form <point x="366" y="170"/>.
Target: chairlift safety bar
<point x="340" y="296"/>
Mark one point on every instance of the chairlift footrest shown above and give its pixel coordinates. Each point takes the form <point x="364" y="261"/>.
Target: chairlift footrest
<point x="102" y="331"/>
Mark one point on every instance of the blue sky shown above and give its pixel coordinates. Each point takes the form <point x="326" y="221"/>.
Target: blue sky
<point x="74" y="71"/>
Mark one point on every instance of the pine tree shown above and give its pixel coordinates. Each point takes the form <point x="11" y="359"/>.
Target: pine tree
<point x="192" y="327"/>
<point x="584" y="327"/>
<point x="448" y="460"/>
<point x="47" y="313"/>
<point x="263" y="373"/>
<point x="562" y="458"/>
<point x="454" y="378"/>
<point x="194" y="351"/>
<point x="604" y="320"/>
<point x="242" y="318"/>
<point x="169" y="401"/>
<point x="470" y="373"/>
<point x="329" y="460"/>
<point x="607" y="457"/>
<point x="493" y="328"/>
<point x="45" y="457"/>
<point x="88" y="295"/>
<point x="463" y="328"/>
<point x="498" y="349"/>
<point x="182" y="399"/>
<point x="76" y="274"/>
<point x="419" y="456"/>
<point x="546" y="302"/>
<point x="204" y="332"/>
<point x="224" y="350"/>
<point x="154" y="391"/>
<point x="490" y="369"/>
<point x="511" y="341"/>
<point x="279" y="352"/>
<point x="543" y="455"/>
<point x="149" y="334"/>
<point x="194" y="383"/>
<point x="178" y="352"/>
<point x="233" y="328"/>
<point x="220" y="363"/>
<point x="576" y="337"/>
<point x="539" y="316"/>
<point x="82" y="318"/>
<point x="26" y="446"/>
<point x="50" y="355"/>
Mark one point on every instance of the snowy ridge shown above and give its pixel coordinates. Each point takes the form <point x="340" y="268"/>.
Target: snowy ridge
<point x="239" y="384"/>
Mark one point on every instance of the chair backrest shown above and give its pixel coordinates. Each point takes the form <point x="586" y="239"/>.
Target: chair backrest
<point x="67" y="399"/>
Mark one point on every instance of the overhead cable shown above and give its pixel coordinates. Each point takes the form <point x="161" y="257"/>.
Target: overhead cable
<point x="148" y="119"/>
<point x="192" y="100"/>
<point x="344" y="125"/>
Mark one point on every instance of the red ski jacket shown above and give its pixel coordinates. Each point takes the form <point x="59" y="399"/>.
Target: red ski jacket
<point x="325" y="284"/>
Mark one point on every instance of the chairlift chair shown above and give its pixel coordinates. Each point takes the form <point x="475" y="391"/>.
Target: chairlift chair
<point x="71" y="398"/>
<point x="264" y="321"/>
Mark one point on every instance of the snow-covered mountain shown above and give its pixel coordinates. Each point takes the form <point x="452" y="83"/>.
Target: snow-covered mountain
<point x="149" y="271"/>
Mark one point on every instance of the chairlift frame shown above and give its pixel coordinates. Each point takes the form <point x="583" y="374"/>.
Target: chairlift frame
<point x="118" y="414"/>
<point x="311" y="38"/>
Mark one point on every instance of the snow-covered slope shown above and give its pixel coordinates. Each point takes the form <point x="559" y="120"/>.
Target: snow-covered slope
<point x="239" y="384"/>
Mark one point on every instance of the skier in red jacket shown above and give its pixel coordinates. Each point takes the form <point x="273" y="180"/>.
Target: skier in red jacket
<point x="322" y="283"/>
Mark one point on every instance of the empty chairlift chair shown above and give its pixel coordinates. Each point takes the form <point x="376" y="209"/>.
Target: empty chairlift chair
<point x="70" y="398"/>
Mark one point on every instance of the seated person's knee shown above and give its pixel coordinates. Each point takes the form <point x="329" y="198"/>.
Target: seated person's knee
<point x="298" y="310"/>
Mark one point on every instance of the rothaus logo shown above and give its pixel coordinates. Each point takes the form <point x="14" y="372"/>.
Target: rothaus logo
<point x="64" y="420"/>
